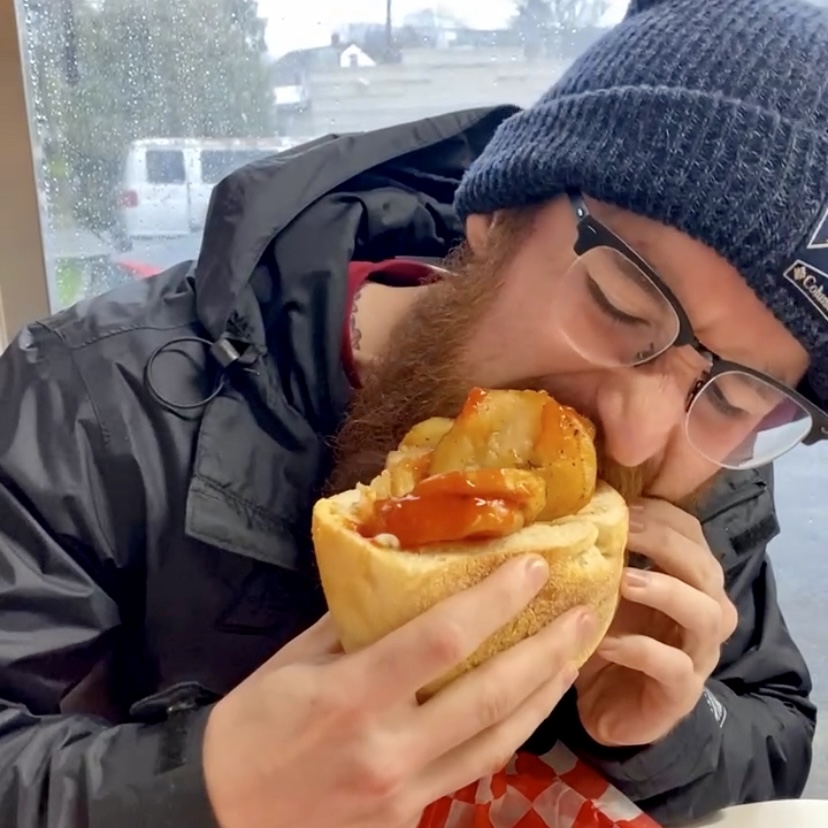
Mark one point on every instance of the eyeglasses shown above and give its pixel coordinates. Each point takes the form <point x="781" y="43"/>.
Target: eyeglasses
<point x="616" y="312"/>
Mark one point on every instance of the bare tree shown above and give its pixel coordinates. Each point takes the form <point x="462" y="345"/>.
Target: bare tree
<point x="571" y="15"/>
<point x="544" y="25"/>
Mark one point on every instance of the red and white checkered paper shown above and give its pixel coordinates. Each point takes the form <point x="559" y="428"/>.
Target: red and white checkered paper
<point x="556" y="790"/>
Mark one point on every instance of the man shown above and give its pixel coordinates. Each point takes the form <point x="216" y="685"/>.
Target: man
<point x="644" y="243"/>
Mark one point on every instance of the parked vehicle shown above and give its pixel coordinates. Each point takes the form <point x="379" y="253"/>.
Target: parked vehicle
<point x="167" y="182"/>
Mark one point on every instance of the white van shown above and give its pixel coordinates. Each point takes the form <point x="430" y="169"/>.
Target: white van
<point x="167" y="182"/>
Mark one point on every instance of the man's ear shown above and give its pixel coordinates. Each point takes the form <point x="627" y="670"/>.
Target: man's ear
<point x="477" y="231"/>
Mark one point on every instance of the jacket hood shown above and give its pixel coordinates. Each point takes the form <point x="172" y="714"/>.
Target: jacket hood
<point x="256" y="204"/>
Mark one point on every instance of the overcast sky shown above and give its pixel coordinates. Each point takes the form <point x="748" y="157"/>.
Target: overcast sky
<point x="301" y="24"/>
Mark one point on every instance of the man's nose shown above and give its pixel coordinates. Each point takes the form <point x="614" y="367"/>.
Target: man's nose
<point x="639" y="408"/>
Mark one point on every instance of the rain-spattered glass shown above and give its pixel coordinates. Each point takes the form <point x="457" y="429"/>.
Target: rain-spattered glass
<point x="134" y="121"/>
<point x="615" y="314"/>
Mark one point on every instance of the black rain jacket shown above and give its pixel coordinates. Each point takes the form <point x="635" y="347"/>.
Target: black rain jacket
<point x="152" y="555"/>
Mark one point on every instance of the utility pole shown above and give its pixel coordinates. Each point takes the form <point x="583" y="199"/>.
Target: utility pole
<point x="389" y="30"/>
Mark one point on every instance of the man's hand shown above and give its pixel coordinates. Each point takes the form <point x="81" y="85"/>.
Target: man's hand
<point x="666" y="639"/>
<point x="325" y="740"/>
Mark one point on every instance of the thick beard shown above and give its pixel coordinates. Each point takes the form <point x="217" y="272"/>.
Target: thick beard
<point x="416" y="379"/>
<point x="631" y="482"/>
<point x="426" y="369"/>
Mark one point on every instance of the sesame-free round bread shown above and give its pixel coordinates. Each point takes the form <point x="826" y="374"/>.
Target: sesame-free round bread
<point x="373" y="588"/>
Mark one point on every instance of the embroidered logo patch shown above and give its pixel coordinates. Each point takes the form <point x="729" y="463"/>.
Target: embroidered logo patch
<point x="716" y="707"/>
<point x="806" y="272"/>
<point x="811" y="282"/>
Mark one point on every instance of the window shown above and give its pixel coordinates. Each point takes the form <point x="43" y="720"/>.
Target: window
<point x="165" y="167"/>
<point x="188" y="83"/>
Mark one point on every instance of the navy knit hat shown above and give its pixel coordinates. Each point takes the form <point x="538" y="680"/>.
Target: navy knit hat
<point x="708" y="115"/>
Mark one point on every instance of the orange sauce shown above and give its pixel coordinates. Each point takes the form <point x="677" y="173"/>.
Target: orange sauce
<point x="475" y="397"/>
<point x="417" y="521"/>
<point x="450" y="507"/>
<point x="558" y="428"/>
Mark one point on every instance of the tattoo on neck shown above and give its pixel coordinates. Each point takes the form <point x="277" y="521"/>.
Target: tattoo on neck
<point x="356" y="333"/>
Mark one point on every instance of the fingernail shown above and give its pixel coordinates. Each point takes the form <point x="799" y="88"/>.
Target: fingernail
<point x="605" y="728"/>
<point x="636" y="578"/>
<point x="636" y="523"/>
<point x="569" y="674"/>
<point x="636" y="506"/>
<point x="586" y="624"/>
<point x="537" y="572"/>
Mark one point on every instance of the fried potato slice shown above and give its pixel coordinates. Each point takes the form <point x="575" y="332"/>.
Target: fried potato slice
<point x="523" y="430"/>
<point x="427" y="433"/>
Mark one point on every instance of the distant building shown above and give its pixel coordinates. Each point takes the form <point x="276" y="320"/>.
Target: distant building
<point x="434" y="63"/>
<point x="433" y="28"/>
<point x="290" y="74"/>
<point x="354" y="56"/>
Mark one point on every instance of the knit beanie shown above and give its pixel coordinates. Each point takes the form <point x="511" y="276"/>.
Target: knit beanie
<point x="710" y="116"/>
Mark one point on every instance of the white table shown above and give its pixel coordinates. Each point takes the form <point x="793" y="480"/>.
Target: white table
<point x="784" y="813"/>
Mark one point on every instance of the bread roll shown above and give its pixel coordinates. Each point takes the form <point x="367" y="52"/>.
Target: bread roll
<point x="372" y="589"/>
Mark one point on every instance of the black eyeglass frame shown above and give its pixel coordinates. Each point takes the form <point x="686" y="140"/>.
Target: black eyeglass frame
<point x="593" y="234"/>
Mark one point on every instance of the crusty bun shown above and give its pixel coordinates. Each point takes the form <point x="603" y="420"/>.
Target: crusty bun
<point x="371" y="590"/>
<point x="374" y="584"/>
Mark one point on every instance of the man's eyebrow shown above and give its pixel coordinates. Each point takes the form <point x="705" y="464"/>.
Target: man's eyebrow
<point x="634" y="272"/>
<point x="767" y="392"/>
<point x="648" y="255"/>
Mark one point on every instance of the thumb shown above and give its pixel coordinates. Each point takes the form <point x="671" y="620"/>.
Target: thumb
<point x="322" y="639"/>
